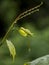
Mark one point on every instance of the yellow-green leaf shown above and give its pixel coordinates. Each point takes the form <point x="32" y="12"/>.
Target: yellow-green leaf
<point x="25" y="32"/>
<point x="11" y="48"/>
<point x="22" y="32"/>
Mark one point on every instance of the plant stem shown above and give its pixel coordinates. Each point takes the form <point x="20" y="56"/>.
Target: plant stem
<point x="9" y="31"/>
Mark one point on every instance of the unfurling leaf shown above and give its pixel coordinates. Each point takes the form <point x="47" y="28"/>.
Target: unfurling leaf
<point x="11" y="48"/>
<point x="22" y="32"/>
<point x="25" y="32"/>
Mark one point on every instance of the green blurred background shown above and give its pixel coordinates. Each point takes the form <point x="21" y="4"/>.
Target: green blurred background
<point x="37" y="22"/>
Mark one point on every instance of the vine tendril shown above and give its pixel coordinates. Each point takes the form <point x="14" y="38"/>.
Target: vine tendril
<point x="22" y="15"/>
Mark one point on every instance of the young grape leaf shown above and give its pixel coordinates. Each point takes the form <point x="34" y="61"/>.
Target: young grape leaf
<point x="11" y="48"/>
<point x="25" y="32"/>
<point x="22" y="32"/>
